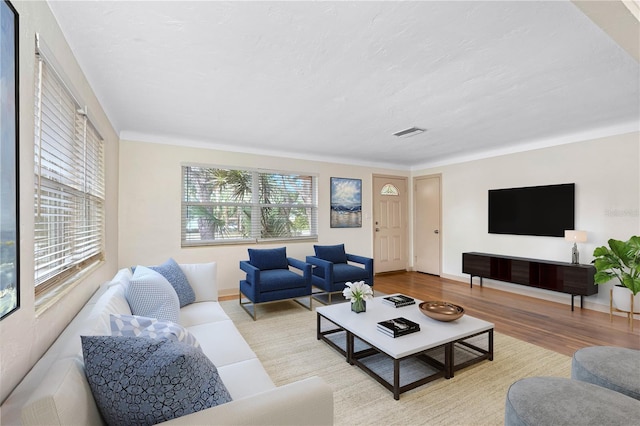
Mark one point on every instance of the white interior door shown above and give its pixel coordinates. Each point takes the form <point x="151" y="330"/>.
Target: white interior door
<point x="390" y="202"/>
<point x="427" y="224"/>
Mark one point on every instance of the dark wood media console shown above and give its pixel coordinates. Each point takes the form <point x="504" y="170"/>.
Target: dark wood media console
<point x="576" y="280"/>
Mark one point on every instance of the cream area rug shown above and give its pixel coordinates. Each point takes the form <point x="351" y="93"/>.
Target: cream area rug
<point x="284" y="338"/>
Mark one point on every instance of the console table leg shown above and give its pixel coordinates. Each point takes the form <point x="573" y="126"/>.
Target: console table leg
<point x="471" y="281"/>
<point x="572" y="296"/>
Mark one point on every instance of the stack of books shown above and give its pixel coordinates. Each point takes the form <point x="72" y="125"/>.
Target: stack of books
<point x="398" y="300"/>
<point x="398" y="327"/>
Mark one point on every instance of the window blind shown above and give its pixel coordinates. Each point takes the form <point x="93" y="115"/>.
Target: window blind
<point x="234" y="206"/>
<point x="69" y="183"/>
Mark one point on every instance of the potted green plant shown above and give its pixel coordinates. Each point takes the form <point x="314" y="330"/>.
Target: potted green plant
<point x="621" y="261"/>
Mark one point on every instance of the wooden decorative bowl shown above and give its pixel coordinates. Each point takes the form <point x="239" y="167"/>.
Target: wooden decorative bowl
<point x="441" y="311"/>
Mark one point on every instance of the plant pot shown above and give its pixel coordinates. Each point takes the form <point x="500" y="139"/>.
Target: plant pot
<point x="622" y="299"/>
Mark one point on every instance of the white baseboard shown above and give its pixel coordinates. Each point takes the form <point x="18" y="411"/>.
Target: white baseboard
<point x="538" y="293"/>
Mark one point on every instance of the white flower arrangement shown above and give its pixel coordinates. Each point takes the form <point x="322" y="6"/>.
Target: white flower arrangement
<point x="357" y="291"/>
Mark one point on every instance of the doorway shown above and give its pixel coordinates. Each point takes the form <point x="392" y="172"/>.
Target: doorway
<point x="390" y="219"/>
<point x="427" y="224"/>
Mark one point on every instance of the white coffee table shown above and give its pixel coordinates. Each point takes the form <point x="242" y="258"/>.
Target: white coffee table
<point x="419" y="357"/>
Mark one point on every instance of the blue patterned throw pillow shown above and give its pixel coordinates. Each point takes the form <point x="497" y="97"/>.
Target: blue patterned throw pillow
<point x="137" y="326"/>
<point x="137" y="381"/>
<point x="150" y="295"/>
<point x="178" y="280"/>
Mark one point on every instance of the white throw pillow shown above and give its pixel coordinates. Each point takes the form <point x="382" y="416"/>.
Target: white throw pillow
<point x="112" y="301"/>
<point x="150" y="295"/>
<point x="122" y="277"/>
<point x="137" y="326"/>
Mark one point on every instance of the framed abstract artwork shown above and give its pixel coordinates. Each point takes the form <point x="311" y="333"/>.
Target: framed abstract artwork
<point x="346" y="203"/>
<point x="9" y="214"/>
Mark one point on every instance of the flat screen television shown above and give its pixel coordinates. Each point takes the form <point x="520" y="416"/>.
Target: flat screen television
<point x="535" y="210"/>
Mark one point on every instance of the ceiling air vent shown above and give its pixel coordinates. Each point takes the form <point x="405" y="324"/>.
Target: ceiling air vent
<point x="406" y="133"/>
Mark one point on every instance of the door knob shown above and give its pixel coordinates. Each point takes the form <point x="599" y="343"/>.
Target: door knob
<point x="436" y="231"/>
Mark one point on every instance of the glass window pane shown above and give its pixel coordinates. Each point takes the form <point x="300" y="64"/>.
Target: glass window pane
<point x="222" y="205"/>
<point x="69" y="184"/>
<point x="389" y="189"/>
<point x="215" y="222"/>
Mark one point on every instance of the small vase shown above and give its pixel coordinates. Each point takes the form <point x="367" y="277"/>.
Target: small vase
<point x="358" y="306"/>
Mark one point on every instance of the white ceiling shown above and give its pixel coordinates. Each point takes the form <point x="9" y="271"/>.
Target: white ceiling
<point x="335" y="80"/>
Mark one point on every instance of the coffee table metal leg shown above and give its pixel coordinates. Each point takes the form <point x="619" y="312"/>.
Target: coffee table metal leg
<point x="448" y="360"/>
<point x="491" y="345"/>
<point x="396" y="379"/>
<point x="350" y="345"/>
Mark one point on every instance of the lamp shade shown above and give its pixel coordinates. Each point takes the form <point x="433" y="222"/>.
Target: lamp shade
<point x="575" y="236"/>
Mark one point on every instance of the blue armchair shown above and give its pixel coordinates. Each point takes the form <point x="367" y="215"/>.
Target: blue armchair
<point x="331" y="270"/>
<point x="269" y="279"/>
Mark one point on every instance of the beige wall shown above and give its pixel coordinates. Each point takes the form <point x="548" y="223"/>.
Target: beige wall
<point x="607" y="179"/>
<point x="149" y="216"/>
<point x="150" y="194"/>
<point x="24" y="335"/>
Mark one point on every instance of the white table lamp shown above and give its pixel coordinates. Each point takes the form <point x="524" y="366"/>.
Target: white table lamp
<point x="575" y="237"/>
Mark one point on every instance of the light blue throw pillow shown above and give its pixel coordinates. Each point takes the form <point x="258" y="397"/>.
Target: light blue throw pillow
<point x="137" y="381"/>
<point x="137" y="326"/>
<point x="150" y="295"/>
<point x="178" y="280"/>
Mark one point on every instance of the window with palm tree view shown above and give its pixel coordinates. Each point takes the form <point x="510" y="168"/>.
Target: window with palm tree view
<point x="242" y="205"/>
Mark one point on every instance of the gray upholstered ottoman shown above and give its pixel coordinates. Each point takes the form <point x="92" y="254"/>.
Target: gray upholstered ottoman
<point x="561" y="401"/>
<point x="612" y="367"/>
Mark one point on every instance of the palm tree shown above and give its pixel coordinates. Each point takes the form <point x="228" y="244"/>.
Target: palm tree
<point x="208" y="185"/>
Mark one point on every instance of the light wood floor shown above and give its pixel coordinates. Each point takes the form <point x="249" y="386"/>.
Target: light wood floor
<point x="548" y="324"/>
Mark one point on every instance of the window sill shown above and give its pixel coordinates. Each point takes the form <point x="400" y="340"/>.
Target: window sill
<point x="46" y="300"/>
<point x="249" y="242"/>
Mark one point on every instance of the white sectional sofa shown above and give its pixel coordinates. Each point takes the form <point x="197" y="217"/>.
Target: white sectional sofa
<point x="56" y="390"/>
